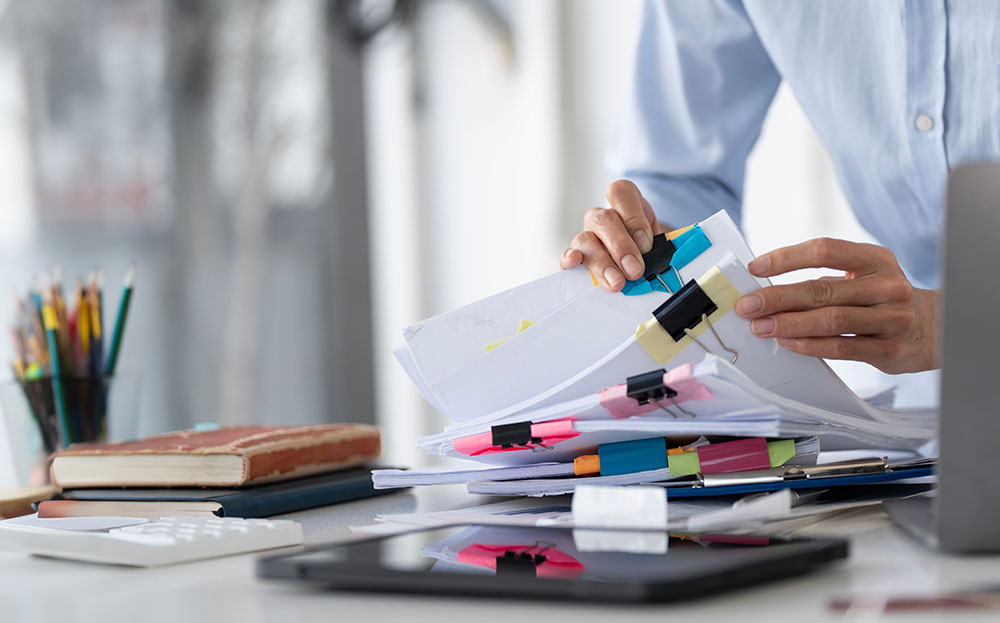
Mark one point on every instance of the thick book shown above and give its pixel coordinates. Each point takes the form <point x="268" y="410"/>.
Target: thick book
<point x="225" y="457"/>
<point x="17" y="501"/>
<point x="249" y="502"/>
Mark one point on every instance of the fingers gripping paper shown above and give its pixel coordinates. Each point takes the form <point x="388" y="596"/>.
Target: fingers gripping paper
<point x="560" y="346"/>
<point x="661" y="346"/>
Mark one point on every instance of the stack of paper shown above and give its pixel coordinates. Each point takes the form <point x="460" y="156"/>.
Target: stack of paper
<point x="554" y="370"/>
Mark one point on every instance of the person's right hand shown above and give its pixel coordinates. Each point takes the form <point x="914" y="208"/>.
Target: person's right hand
<point x="613" y="240"/>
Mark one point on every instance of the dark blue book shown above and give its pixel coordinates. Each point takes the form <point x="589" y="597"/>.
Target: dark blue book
<point x="248" y="502"/>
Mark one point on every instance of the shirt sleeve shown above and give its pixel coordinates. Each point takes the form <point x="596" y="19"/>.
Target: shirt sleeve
<point x="700" y="88"/>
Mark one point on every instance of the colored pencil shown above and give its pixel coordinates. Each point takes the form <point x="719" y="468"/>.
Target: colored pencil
<point x="95" y="283"/>
<point x="116" y="337"/>
<point x="51" y="324"/>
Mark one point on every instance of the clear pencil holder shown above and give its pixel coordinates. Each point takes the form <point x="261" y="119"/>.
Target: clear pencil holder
<point x="97" y="409"/>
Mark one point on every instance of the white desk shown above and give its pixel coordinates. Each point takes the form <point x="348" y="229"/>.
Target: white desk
<point x="882" y="561"/>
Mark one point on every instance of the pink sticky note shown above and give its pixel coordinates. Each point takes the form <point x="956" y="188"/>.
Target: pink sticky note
<point x="550" y="433"/>
<point x="616" y="401"/>
<point x="553" y="563"/>
<point x="734" y="456"/>
<point x="473" y="445"/>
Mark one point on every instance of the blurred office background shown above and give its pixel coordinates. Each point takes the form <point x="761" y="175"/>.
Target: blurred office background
<point x="297" y="180"/>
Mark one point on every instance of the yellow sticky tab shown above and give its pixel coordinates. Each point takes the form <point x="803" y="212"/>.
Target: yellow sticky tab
<point x="49" y="317"/>
<point x="658" y="343"/>
<point x="521" y="327"/>
<point x="677" y="232"/>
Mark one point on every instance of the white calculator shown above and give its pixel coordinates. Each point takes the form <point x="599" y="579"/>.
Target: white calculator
<point x="165" y="541"/>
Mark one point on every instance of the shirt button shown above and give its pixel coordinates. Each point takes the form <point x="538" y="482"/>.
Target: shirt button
<point x="924" y="123"/>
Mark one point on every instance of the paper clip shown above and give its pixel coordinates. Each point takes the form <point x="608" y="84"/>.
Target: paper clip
<point x="650" y="388"/>
<point x="683" y="311"/>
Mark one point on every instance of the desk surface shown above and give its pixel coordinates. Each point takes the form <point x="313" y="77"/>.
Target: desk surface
<point x="883" y="562"/>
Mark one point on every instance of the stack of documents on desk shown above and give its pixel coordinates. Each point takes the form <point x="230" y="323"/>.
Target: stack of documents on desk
<point x="559" y="368"/>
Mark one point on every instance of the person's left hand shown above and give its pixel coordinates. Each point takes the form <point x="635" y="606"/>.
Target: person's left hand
<point x="871" y="314"/>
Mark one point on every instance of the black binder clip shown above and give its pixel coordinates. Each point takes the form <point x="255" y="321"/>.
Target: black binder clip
<point x="523" y="562"/>
<point x="519" y="563"/>
<point x="682" y="312"/>
<point x="657" y="260"/>
<point x="516" y="435"/>
<point x="650" y="388"/>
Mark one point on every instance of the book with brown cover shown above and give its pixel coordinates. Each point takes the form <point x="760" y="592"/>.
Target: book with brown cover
<point x="224" y="457"/>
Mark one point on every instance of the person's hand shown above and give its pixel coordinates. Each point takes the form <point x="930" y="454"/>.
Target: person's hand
<point x="871" y="314"/>
<point x="613" y="240"/>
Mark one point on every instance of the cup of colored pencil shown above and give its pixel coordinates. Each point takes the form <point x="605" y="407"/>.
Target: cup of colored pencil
<point x="64" y="358"/>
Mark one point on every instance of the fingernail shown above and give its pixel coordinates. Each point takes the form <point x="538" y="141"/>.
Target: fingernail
<point x="632" y="266"/>
<point x="643" y="241"/>
<point x="762" y="326"/>
<point x="612" y="276"/>
<point x="760" y="266"/>
<point x="787" y="342"/>
<point x="749" y="304"/>
<point x="566" y="253"/>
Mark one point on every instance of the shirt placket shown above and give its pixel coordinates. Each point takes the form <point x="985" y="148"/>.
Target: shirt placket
<point x="926" y="57"/>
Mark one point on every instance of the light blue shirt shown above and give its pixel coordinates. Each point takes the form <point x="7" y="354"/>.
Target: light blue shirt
<point x="900" y="92"/>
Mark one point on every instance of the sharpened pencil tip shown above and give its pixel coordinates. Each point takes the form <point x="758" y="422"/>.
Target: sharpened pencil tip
<point x="130" y="276"/>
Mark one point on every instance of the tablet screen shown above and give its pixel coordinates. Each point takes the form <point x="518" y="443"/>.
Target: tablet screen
<point x="565" y="554"/>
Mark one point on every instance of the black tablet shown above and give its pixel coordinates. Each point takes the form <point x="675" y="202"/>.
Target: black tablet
<point x="554" y="563"/>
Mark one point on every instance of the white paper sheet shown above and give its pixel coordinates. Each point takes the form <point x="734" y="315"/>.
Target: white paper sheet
<point x="573" y="337"/>
<point x="444" y="343"/>
<point x="76" y="524"/>
<point x="392" y="478"/>
<point x="773" y="506"/>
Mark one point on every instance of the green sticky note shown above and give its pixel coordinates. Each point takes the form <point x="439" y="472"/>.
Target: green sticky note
<point x="778" y="452"/>
<point x="683" y="464"/>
